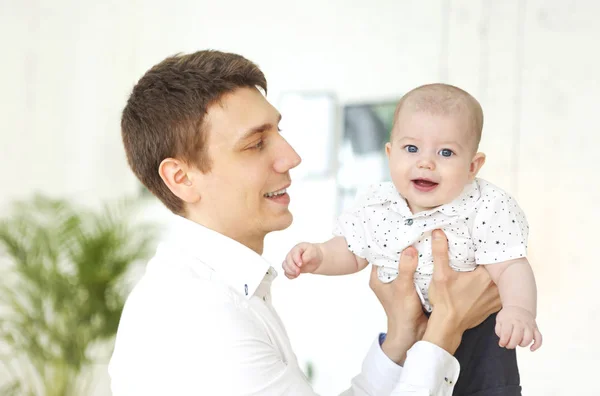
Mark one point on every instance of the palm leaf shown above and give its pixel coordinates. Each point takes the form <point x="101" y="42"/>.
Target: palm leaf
<point x="64" y="288"/>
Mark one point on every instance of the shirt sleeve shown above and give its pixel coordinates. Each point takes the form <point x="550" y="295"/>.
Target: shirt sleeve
<point x="252" y="366"/>
<point x="428" y="370"/>
<point x="500" y="230"/>
<point x="351" y="224"/>
<point x="379" y="375"/>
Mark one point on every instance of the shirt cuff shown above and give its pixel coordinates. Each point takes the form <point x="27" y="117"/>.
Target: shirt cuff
<point x="381" y="373"/>
<point x="430" y="367"/>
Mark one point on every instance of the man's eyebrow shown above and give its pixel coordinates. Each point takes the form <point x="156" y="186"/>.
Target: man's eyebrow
<point x="259" y="129"/>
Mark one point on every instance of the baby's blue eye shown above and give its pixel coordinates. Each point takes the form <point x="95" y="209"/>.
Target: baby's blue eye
<point x="411" y="149"/>
<point x="446" y="153"/>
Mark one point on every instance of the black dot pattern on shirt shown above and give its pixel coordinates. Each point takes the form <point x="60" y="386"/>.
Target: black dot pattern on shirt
<point x="486" y="224"/>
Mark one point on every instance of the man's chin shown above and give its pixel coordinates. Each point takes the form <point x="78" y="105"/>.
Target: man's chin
<point x="281" y="222"/>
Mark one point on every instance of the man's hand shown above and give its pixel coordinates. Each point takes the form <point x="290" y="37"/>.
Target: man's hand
<point x="460" y="300"/>
<point x="516" y="326"/>
<point x="303" y="258"/>
<point x="406" y="320"/>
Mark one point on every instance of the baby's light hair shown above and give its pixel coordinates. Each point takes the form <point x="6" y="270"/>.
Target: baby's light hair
<point x="443" y="99"/>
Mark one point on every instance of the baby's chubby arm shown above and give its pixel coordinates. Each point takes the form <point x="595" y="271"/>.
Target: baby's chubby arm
<point x="516" y="283"/>
<point x="328" y="258"/>
<point x="515" y="324"/>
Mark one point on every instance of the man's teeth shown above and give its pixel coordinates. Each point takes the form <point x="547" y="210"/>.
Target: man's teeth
<point x="275" y="193"/>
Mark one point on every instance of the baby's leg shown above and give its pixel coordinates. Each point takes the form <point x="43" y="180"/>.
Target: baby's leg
<point x="485" y="368"/>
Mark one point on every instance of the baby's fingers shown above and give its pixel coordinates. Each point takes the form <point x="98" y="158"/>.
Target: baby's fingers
<point x="516" y="337"/>
<point x="291" y="273"/>
<point x="290" y="269"/>
<point x="505" y="334"/>
<point x="297" y="256"/>
<point x="498" y="329"/>
<point x="537" y="340"/>
<point x="527" y="337"/>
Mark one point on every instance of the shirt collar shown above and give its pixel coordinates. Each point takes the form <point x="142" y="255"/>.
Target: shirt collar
<point x="387" y="193"/>
<point x="238" y="266"/>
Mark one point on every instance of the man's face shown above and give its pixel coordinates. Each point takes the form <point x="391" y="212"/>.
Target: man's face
<point x="244" y="193"/>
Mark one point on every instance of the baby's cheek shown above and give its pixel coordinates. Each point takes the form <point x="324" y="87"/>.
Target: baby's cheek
<point x="452" y="191"/>
<point x="456" y="182"/>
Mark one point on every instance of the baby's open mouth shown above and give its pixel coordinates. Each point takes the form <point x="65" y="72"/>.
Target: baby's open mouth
<point x="424" y="184"/>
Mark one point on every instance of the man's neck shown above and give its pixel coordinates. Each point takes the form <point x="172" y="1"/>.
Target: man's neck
<point x="256" y="244"/>
<point x="253" y="242"/>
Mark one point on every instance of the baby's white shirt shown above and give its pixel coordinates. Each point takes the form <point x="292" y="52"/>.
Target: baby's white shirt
<point x="484" y="225"/>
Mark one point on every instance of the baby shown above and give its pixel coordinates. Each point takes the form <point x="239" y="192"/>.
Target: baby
<point x="434" y="162"/>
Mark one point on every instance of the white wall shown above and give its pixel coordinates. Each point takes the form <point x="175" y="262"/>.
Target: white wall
<point x="68" y="65"/>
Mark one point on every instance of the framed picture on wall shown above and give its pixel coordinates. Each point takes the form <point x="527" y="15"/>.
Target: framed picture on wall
<point x="361" y="155"/>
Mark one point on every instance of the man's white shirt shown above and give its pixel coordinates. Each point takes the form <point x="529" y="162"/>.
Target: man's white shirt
<point x="200" y="322"/>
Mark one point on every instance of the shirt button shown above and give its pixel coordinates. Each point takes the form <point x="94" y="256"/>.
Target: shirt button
<point x="409" y="222"/>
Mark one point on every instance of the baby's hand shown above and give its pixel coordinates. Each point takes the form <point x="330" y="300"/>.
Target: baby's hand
<point x="516" y="326"/>
<point x="303" y="258"/>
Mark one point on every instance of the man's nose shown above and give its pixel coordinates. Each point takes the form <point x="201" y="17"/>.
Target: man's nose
<point x="287" y="157"/>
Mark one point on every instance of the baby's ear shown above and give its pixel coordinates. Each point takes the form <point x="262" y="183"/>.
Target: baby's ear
<point x="476" y="164"/>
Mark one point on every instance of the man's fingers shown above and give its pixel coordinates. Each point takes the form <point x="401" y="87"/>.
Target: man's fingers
<point x="408" y="265"/>
<point x="373" y="278"/>
<point x="439" y="246"/>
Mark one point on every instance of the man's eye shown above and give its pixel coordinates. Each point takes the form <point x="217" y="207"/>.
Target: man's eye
<point x="446" y="153"/>
<point x="258" y="145"/>
<point x="410" y="148"/>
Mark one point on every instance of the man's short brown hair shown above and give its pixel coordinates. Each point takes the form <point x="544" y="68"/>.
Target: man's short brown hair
<point x="165" y="114"/>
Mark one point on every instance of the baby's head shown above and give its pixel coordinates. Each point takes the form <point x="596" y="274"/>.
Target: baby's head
<point x="433" y="146"/>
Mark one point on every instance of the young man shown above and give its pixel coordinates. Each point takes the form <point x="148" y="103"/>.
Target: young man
<point x="202" y="137"/>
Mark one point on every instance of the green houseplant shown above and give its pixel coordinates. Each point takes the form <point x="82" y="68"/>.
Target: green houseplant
<point x="63" y="270"/>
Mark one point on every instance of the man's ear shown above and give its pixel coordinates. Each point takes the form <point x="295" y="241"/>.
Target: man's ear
<point x="180" y="179"/>
<point x="476" y="164"/>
